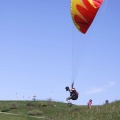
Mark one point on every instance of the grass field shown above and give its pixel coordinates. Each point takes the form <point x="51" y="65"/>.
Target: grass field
<point x="50" y="110"/>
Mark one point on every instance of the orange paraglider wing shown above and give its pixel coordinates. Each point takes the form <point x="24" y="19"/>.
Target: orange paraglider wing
<point x="83" y="13"/>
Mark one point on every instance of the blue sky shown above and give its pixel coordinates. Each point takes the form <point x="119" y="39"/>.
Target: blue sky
<point x="36" y="38"/>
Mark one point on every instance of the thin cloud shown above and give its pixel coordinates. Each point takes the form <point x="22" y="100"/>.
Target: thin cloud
<point x="111" y="84"/>
<point x="95" y="90"/>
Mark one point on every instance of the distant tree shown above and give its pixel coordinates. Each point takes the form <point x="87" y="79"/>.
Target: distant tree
<point x="34" y="98"/>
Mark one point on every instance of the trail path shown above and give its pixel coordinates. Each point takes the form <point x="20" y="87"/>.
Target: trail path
<point x="23" y="115"/>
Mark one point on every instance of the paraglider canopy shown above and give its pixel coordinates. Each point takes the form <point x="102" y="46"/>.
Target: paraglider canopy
<point x="83" y="13"/>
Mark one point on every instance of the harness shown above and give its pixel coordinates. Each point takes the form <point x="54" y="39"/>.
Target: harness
<point x="74" y="94"/>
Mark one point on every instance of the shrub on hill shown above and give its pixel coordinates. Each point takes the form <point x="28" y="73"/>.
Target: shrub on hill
<point x="30" y="104"/>
<point x="35" y="112"/>
<point x="5" y="109"/>
<point x="42" y="104"/>
<point x="13" y="106"/>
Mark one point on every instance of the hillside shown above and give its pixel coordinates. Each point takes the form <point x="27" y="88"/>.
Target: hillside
<point x="50" y="110"/>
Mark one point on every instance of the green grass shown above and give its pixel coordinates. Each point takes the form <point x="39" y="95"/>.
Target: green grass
<point x="14" y="117"/>
<point x="49" y="110"/>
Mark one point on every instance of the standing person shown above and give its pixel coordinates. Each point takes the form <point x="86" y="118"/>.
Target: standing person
<point x="73" y="95"/>
<point x="90" y="103"/>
